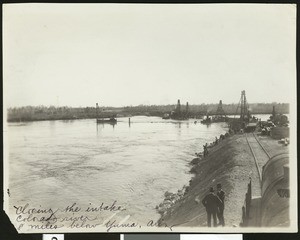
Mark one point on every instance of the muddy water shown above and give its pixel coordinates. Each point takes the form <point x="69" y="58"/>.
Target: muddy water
<point x="52" y="163"/>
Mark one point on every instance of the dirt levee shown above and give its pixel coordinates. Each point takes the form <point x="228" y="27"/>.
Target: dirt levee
<point x="229" y="163"/>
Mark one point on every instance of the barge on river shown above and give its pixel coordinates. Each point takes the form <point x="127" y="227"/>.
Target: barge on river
<point x="111" y="120"/>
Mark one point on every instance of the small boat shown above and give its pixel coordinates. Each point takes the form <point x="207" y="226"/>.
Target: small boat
<point x="206" y="121"/>
<point x="111" y="120"/>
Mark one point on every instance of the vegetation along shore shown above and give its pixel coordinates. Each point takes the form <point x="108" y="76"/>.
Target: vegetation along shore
<point x="39" y="113"/>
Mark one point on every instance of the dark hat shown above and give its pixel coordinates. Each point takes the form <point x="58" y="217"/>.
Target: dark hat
<point x="219" y="185"/>
<point x="211" y="189"/>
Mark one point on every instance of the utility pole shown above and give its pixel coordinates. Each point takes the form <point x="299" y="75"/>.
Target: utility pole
<point x="97" y="110"/>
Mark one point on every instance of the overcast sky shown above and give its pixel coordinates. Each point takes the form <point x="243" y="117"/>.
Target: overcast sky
<point x="117" y="55"/>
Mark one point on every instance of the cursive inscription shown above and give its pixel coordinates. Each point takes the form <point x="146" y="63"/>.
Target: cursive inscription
<point x="75" y="216"/>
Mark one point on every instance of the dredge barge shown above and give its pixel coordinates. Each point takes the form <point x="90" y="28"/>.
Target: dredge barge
<point x="109" y="120"/>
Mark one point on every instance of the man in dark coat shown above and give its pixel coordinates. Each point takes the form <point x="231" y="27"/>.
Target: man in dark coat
<point x="211" y="202"/>
<point x="221" y="195"/>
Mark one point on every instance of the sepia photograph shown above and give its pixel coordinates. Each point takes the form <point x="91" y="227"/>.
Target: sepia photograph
<point x="150" y="118"/>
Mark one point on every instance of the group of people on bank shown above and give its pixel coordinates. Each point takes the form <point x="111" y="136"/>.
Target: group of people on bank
<point x="217" y="140"/>
<point x="214" y="204"/>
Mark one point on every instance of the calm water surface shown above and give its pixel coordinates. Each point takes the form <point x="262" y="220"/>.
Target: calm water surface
<point x="52" y="163"/>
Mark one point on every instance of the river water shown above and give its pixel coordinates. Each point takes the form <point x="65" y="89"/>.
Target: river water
<point x="52" y="163"/>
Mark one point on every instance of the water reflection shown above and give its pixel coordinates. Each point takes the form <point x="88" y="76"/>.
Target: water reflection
<point x="52" y="126"/>
<point x="178" y="126"/>
<point x="102" y="125"/>
<point x="68" y="120"/>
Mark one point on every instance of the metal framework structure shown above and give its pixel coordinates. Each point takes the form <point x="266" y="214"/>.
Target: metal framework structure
<point x="244" y="108"/>
<point x="220" y="111"/>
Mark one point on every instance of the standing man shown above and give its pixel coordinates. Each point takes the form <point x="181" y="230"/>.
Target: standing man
<point x="211" y="202"/>
<point x="221" y="195"/>
<point x="205" y="151"/>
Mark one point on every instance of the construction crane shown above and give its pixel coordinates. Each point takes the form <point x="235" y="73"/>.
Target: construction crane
<point x="244" y="107"/>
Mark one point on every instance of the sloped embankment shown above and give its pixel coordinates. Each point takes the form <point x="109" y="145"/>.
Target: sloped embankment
<point x="229" y="163"/>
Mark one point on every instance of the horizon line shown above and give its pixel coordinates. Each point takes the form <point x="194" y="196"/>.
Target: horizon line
<point x="107" y="106"/>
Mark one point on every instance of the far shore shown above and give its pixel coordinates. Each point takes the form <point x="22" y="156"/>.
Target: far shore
<point x="44" y="113"/>
<point x="58" y="117"/>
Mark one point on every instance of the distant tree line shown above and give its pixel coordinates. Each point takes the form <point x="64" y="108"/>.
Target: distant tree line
<point x="37" y="113"/>
<point x="203" y="109"/>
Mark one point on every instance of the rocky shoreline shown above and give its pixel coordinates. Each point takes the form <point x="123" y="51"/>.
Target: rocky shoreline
<point x="230" y="162"/>
<point x="171" y="199"/>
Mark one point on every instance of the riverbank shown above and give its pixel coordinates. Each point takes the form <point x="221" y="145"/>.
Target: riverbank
<point x="230" y="163"/>
<point x="42" y="113"/>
